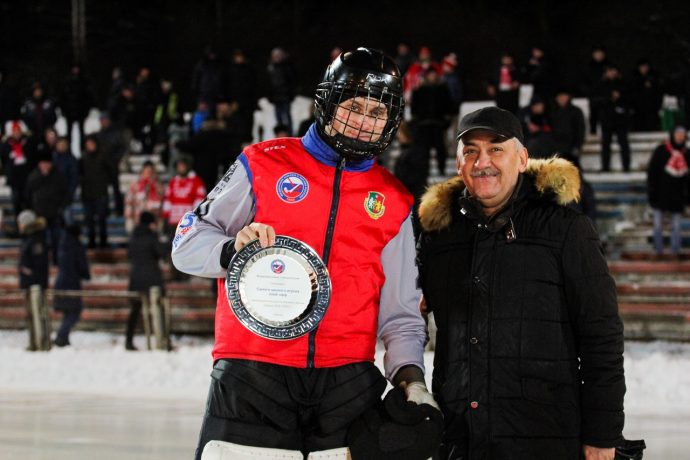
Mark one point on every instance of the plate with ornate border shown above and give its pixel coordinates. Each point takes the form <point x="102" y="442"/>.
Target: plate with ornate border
<point x="280" y="292"/>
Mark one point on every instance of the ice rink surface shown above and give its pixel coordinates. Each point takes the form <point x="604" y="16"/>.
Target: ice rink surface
<point x="94" y="401"/>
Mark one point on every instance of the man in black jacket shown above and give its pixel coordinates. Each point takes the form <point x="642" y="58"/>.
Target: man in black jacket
<point x="529" y="351"/>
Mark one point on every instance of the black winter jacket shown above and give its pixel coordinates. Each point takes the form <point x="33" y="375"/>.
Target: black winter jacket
<point x="529" y="351"/>
<point x="145" y="252"/>
<point x="665" y="191"/>
<point x="73" y="266"/>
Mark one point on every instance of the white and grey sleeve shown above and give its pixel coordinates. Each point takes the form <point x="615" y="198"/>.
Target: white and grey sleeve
<point x="401" y="326"/>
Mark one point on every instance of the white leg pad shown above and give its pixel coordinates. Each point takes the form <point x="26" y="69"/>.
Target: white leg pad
<point x="342" y="453"/>
<point x="221" y="450"/>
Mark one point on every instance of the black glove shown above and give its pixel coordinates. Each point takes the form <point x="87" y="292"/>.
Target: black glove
<point x="630" y="450"/>
<point x="396" y="429"/>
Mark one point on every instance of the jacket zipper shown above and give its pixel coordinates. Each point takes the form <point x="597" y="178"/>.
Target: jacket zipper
<point x="327" y="247"/>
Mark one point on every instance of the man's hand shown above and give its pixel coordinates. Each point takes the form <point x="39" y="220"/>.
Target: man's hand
<point x="417" y="393"/>
<point x="596" y="453"/>
<point x="265" y="233"/>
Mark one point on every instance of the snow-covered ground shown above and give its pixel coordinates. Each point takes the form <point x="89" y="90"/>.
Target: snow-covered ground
<point x="94" y="398"/>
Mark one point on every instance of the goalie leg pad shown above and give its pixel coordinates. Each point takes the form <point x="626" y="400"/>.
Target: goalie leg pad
<point x="221" y="450"/>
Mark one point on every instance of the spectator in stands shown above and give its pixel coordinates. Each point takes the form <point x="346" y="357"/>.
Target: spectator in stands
<point x="96" y="176"/>
<point x="453" y="79"/>
<point x="46" y="194"/>
<point x="280" y="131"/>
<point x="646" y="96"/>
<point x="412" y="167"/>
<point x="404" y="58"/>
<point x="208" y="79"/>
<point x="68" y="167"/>
<point x="144" y="194"/>
<point x="414" y="76"/>
<point x="594" y="88"/>
<point x="213" y="147"/>
<point x="73" y="267"/>
<point x="540" y="73"/>
<point x="145" y="251"/>
<point x="615" y="119"/>
<point x="76" y="101"/>
<point x="504" y="85"/>
<point x="668" y="187"/>
<point x="38" y="112"/>
<point x="122" y="113"/>
<point x="307" y="122"/>
<point x="283" y="83"/>
<point x="529" y="351"/>
<point x="17" y="162"/>
<point x="536" y="124"/>
<point x="568" y="123"/>
<point x="112" y="143"/>
<point x="201" y="114"/>
<point x="166" y="111"/>
<point x="431" y="112"/>
<point x="44" y="143"/>
<point x="145" y="100"/>
<point x="242" y="92"/>
<point x="184" y="193"/>
<point x="33" y="259"/>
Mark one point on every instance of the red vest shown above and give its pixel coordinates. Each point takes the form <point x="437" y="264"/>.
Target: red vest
<point x="293" y="193"/>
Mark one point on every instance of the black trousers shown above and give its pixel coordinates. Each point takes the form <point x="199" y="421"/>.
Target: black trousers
<point x="622" y="137"/>
<point x="266" y="405"/>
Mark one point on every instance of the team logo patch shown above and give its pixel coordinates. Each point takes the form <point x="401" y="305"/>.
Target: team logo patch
<point x="278" y="266"/>
<point x="184" y="228"/>
<point x="373" y="204"/>
<point x="292" y="187"/>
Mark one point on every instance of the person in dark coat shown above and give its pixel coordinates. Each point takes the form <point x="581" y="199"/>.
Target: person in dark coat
<point x="504" y="84"/>
<point x="668" y="186"/>
<point x="33" y="261"/>
<point x="594" y="87"/>
<point x="538" y="129"/>
<point x="47" y="194"/>
<point x="38" y="112"/>
<point x="283" y="82"/>
<point x="615" y="118"/>
<point x="96" y="176"/>
<point x="73" y="267"/>
<point x="76" y="101"/>
<point x="412" y="168"/>
<point x="145" y="252"/>
<point x="647" y="96"/>
<point x="528" y="362"/>
<point x="568" y="124"/>
<point x="68" y="167"/>
<point x="431" y="112"/>
<point x="112" y="142"/>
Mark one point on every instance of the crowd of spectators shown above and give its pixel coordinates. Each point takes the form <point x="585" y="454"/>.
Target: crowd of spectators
<point x="142" y="113"/>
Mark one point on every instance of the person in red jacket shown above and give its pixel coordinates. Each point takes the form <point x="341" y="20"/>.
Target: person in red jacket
<point x="185" y="191"/>
<point x="325" y="189"/>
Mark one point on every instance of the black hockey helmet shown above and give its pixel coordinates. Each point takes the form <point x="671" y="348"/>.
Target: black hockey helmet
<point x="365" y="73"/>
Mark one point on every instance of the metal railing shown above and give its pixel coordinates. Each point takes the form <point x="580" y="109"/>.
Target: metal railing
<point x="155" y="310"/>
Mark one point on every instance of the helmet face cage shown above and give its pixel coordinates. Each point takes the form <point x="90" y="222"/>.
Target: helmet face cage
<point x="366" y="140"/>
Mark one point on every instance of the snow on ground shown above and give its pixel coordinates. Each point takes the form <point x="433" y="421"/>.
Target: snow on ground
<point x="657" y="373"/>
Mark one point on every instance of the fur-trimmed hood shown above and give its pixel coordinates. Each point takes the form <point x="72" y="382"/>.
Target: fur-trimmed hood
<point x="554" y="176"/>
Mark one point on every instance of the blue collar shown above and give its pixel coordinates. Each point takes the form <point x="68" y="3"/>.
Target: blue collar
<point x="325" y="154"/>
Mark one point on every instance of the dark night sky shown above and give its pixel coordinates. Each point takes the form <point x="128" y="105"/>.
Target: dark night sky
<point x="169" y="36"/>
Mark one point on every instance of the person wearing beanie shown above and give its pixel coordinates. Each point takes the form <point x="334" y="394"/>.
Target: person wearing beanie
<point x="668" y="187"/>
<point x="33" y="260"/>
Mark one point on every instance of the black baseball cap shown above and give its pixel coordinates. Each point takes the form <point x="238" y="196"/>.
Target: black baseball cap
<point x="498" y="121"/>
